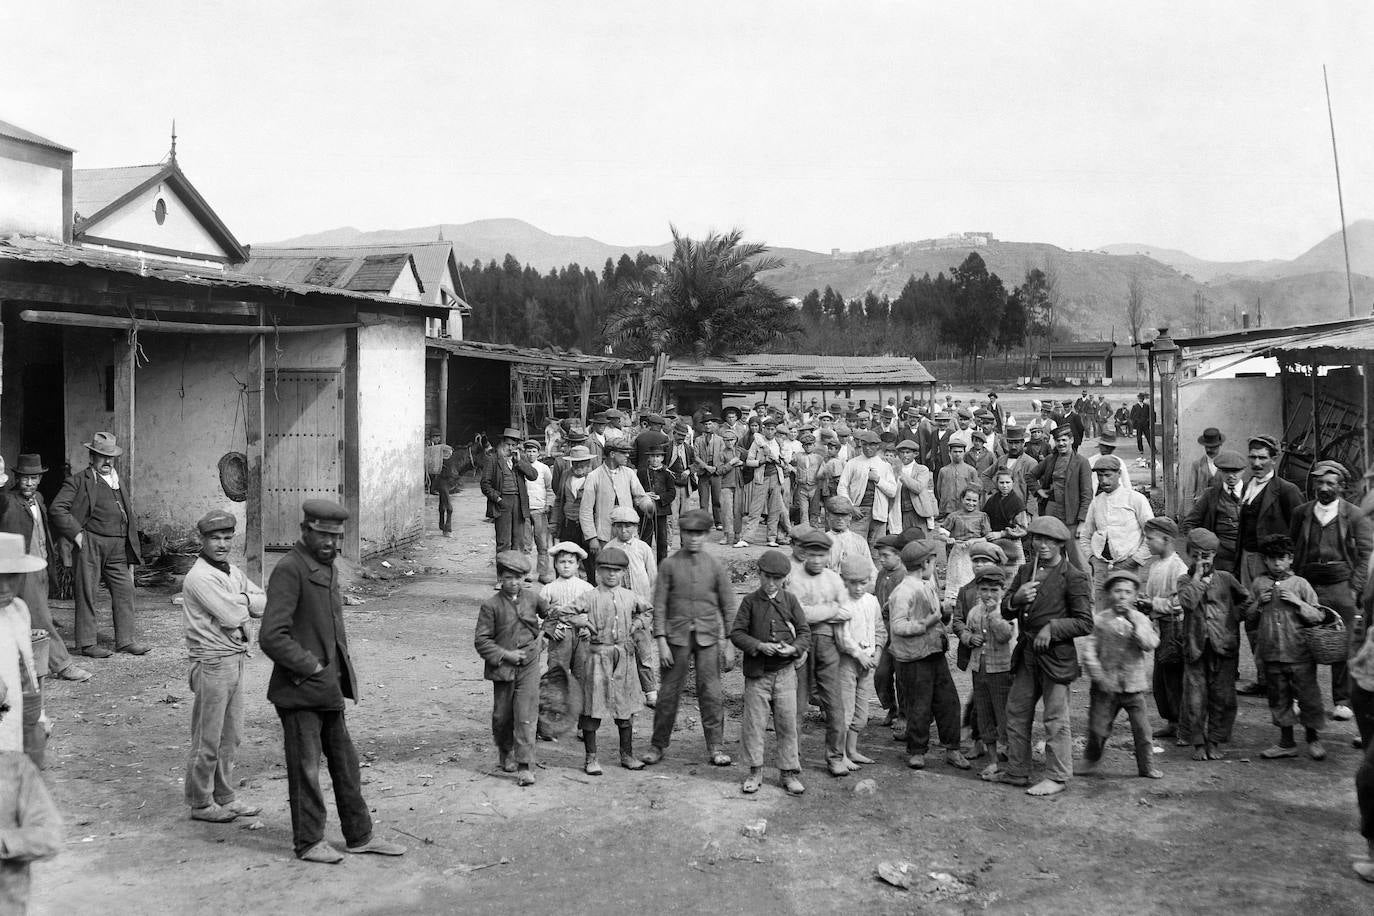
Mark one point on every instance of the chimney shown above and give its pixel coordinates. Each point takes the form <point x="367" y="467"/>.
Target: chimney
<point x="1245" y="320"/>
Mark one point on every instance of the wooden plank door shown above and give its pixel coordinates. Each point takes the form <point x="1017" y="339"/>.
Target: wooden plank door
<point x="304" y="448"/>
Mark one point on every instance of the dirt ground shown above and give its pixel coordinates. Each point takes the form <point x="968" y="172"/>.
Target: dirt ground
<point x="1241" y="835"/>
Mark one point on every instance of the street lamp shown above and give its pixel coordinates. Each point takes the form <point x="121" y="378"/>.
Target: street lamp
<point x="1165" y="353"/>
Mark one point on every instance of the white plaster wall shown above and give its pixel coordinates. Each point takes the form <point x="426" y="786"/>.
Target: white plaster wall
<point x="134" y="223"/>
<point x="30" y="199"/>
<point x="406" y="286"/>
<point x="391" y="426"/>
<point x="1239" y="407"/>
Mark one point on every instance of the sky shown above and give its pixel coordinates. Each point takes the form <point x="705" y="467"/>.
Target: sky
<point x="806" y="124"/>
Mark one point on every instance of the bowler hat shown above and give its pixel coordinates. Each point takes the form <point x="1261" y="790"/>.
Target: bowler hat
<point x="775" y="563"/>
<point x="29" y="465"/>
<point x="104" y="444"/>
<point x="14" y="558"/>
<point x="1211" y="436"/>
<point x="324" y="515"/>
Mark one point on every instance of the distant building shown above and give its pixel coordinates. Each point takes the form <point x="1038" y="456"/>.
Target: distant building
<point x="35" y="185"/>
<point x="957" y="240"/>
<point x="1081" y="362"/>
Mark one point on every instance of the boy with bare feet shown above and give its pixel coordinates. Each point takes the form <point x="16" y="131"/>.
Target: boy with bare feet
<point x="1212" y="602"/>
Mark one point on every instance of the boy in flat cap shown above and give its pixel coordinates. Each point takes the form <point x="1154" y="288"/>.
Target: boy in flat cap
<point x="509" y="637"/>
<point x="610" y="684"/>
<point x="858" y="639"/>
<point x="218" y="601"/>
<point x="1213" y="604"/>
<point x="312" y="674"/>
<point x="988" y="637"/>
<point x="639" y="576"/>
<point x="1117" y="656"/>
<point x="821" y="593"/>
<point x="839" y="512"/>
<point x="1162" y="574"/>
<point x="771" y="631"/>
<point x="1281" y="604"/>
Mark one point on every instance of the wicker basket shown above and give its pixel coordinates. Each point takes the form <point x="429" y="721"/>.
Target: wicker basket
<point x="1327" y="642"/>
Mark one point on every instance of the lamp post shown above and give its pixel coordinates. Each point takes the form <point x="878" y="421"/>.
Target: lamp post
<point x="1149" y="348"/>
<point x="1165" y="353"/>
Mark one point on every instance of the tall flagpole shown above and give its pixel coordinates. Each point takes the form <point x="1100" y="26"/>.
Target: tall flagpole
<point x="1340" y="199"/>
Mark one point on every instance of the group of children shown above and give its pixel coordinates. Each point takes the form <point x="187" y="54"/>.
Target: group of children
<point x="829" y="626"/>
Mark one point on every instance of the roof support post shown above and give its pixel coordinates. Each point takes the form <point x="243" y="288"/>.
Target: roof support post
<point x="253" y="534"/>
<point x="443" y="397"/>
<point x="352" y="465"/>
<point x="126" y="360"/>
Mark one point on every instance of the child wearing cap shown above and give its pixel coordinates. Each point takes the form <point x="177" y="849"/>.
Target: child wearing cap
<point x="983" y="555"/>
<point x="963" y="527"/>
<point x="610" y="682"/>
<point x="509" y="637"/>
<point x="821" y="593"/>
<point x="988" y="637"/>
<point x="888" y="549"/>
<point x="918" y="645"/>
<point x="661" y="487"/>
<point x="771" y="632"/>
<point x="1162" y="573"/>
<point x="639" y="578"/>
<point x="1213" y="603"/>
<point x="839" y="512"/>
<point x="858" y="639"/>
<point x="806" y="499"/>
<point x="731" y="460"/>
<point x="954" y="479"/>
<point x="1282" y="603"/>
<point x="1117" y="657"/>
<point x="30" y="825"/>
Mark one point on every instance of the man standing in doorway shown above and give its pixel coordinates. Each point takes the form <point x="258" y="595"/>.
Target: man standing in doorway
<point x="94" y="512"/>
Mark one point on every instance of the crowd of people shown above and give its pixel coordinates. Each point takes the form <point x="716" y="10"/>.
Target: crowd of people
<point x="914" y="530"/>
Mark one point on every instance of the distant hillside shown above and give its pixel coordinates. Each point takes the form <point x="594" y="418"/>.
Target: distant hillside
<point x="1197" y="268"/>
<point x="1300" y="299"/>
<point x="1328" y="255"/>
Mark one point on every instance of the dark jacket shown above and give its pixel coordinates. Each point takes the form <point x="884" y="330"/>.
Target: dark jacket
<point x="1065" y="605"/>
<point x="15" y="519"/>
<point x="71" y="509"/>
<point x="1356" y="538"/>
<point x="1277" y="502"/>
<point x="1078" y="486"/>
<point x="491" y="482"/>
<point x="1141" y="416"/>
<point x="751" y="628"/>
<point x="303" y="626"/>
<point x="1212" y="612"/>
<point x="504" y="625"/>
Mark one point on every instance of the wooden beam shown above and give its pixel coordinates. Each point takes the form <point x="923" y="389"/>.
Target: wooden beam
<point x="155" y="326"/>
<point x="125" y="401"/>
<point x="443" y="399"/>
<point x="254" y="533"/>
<point x="586" y="398"/>
<point x="352" y="501"/>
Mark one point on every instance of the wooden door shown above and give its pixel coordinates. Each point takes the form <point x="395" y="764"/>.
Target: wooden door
<point x="304" y="448"/>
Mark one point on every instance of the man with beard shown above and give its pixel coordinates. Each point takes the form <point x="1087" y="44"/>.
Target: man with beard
<point x="303" y="634"/>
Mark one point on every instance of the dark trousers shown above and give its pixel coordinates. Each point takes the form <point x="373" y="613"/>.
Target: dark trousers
<point x="1168" y="687"/>
<point x="445" y="506"/>
<point x="822" y="674"/>
<point x="1340" y="599"/>
<point x="310" y="733"/>
<point x="510" y="527"/>
<point x="709" y="697"/>
<point x="927" y="692"/>
<point x="885" y="681"/>
<point x="990" y="692"/>
<point x="1209" y="698"/>
<point x="1103" y="707"/>
<point x="515" y="709"/>
<point x="708" y="496"/>
<point x="1362" y="702"/>
<point x="1287" y="682"/>
<point x="35" y="736"/>
<point x="103" y="558"/>
<point x="653" y="530"/>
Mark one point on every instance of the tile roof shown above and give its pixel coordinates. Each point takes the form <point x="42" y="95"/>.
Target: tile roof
<point x="95" y="189"/>
<point x="764" y="371"/>
<point x="431" y="259"/>
<point x="15" y="132"/>
<point x="551" y="357"/>
<point x="361" y="272"/>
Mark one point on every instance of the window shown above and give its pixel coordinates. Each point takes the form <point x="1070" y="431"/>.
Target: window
<point x="160" y="211"/>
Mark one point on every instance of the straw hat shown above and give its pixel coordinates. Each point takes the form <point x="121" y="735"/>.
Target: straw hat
<point x="14" y="558"/>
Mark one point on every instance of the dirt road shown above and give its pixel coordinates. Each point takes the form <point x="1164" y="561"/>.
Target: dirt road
<point x="1242" y="835"/>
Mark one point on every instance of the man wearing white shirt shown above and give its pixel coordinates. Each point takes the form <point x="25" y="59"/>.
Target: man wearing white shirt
<point x="915" y="505"/>
<point x="964" y="428"/>
<point x="1113" y="535"/>
<point x="869" y="483"/>
<point x="540" y="491"/>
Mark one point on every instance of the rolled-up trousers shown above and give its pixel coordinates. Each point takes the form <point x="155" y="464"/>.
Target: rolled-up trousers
<point x="1030" y="685"/>
<point x="103" y="558"/>
<point x="1209" y="698"/>
<point x="775" y="692"/>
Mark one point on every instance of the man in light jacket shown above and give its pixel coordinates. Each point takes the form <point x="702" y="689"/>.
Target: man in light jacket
<point x="1113" y="535"/>
<point x="870" y="485"/>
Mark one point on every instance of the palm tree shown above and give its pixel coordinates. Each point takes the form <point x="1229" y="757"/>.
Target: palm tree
<point x="706" y="301"/>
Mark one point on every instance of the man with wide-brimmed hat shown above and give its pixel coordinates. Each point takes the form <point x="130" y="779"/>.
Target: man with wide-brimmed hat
<point x="1202" y="473"/>
<point x="23" y="512"/>
<point x="219" y="600"/>
<point x="504" y="483"/>
<point x="94" y="511"/>
<point x="19" y="730"/>
<point x="312" y="674"/>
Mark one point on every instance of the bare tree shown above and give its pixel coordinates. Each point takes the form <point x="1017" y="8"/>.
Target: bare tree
<point x="1135" y="307"/>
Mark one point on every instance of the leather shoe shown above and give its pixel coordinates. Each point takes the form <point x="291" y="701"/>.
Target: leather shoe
<point x="96" y="652"/>
<point x="379" y="846"/>
<point x="73" y="672"/>
<point x="652" y="756"/>
<point x="243" y="809"/>
<point x="133" y="648"/>
<point x="792" y="785"/>
<point x="214" y="814"/>
<point x="323" y="853"/>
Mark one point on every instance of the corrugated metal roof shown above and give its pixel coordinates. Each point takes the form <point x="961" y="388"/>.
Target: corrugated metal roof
<point x="552" y="358"/>
<point x="431" y="260"/>
<point x="95" y="189"/>
<point x="1077" y="349"/>
<point x="761" y="371"/>
<point x="1357" y="341"/>
<point x="44" y="251"/>
<point x="1261" y="340"/>
<point x="15" y="132"/>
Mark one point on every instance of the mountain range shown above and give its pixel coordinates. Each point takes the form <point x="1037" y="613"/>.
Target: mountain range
<point x="1092" y="284"/>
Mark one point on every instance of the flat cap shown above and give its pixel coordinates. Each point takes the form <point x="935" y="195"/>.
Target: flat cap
<point x="868" y="437"/>
<point x="1202" y="539"/>
<point x="855" y="567"/>
<point x="806" y="438"/>
<point x="907" y="444"/>
<point x="769" y="420"/>
<point x="613" y="557"/>
<point x="774" y="563"/>
<point x="1163" y="524"/>
<point x="965" y="413"/>
<point x="840" y="505"/>
<point x="891" y="542"/>
<point x="624" y="515"/>
<point x="991" y="576"/>
<point x="1268" y="442"/>
<point x="978" y="436"/>
<point x="988" y="551"/>
<point x="842" y="429"/>
<point x="1048" y="526"/>
<point x="613" y="414"/>
<point x="216" y="520"/>
<point x="916" y="553"/>
<point x="695" y="520"/>
<point x="532" y="443"/>
<point x="682" y="426"/>
<point x="1063" y="429"/>
<point x="567" y="547"/>
<point x="654" y="419"/>
<point x="1107" y="463"/>
<point x="1118" y="575"/>
<point x="621" y="444"/>
<point x="324" y="515"/>
<point x="1229" y="461"/>
<point x="814" y="540"/>
<point x="1328" y="466"/>
<point x="599" y="417"/>
<point x="513" y="561"/>
<point x="1015" y="433"/>
<point x="729" y="435"/>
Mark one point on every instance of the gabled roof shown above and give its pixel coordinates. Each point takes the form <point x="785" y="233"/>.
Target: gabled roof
<point x="433" y="260"/>
<point x="96" y="193"/>
<point x="776" y="371"/>
<point x="363" y="272"/>
<point x="15" y="132"/>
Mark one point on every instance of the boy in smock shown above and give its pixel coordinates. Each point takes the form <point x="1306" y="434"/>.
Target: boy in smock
<point x="610" y="683"/>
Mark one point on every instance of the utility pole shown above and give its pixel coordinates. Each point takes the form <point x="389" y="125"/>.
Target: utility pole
<point x="1340" y="198"/>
